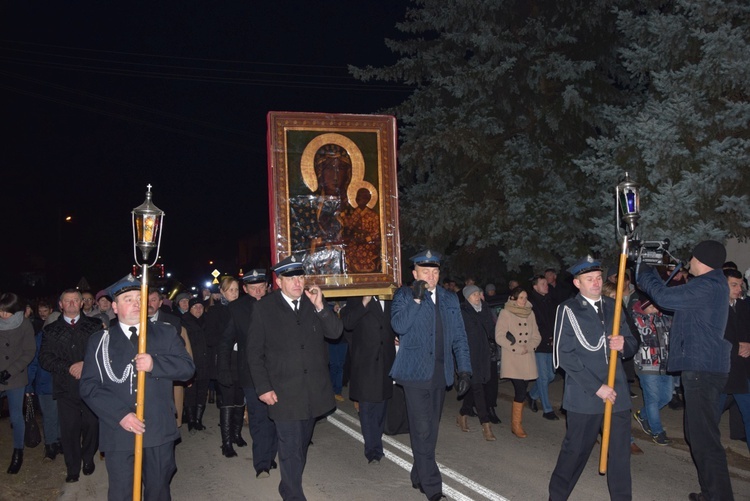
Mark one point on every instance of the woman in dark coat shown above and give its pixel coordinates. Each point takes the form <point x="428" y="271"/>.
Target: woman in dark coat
<point x="480" y="327"/>
<point x="196" y="393"/>
<point x="230" y="399"/>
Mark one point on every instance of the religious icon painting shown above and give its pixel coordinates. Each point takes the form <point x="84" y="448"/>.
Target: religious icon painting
<point x="334" y="199"/>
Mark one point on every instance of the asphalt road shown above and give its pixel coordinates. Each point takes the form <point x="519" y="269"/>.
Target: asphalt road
<point x="510" y="468"/>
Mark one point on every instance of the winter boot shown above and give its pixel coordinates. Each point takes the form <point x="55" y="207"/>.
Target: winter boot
<point x="225" y="425"/>
<point x="190" y="419"/>
<point x="238" y="420"/>
<point x="199" y="410"/>
<point x="16" y="461"/>
<point x="516" y="418"/>
<point x="487" y="432"/>
<point x="463" y="422"/>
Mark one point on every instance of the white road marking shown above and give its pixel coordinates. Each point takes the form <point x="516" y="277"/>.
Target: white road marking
<point x="447" y="490"/>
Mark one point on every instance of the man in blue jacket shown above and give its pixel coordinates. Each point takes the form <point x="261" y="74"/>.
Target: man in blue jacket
<point x="431" y="333"/>
<point x="697" y="348"/>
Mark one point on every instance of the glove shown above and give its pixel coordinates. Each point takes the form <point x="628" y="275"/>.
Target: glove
<point x="418" y="288"/>
<point x="510" y="337"/>
<point x="4" y="376"/>
<point x="463" y="383"/>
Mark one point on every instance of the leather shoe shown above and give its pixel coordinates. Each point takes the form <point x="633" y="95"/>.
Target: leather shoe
<point x="635" y="450"/>
<point x="274" y="465"/>
<point x="438" y="497"/>
<point x="374" y="461"/>
<point x="88" y="468"/>
<point x="263" y="474"/>
<point x="532" y="403"/>
<point x="551" y="416"/>
<point x="696" y="496"/>
<point x="71" y="478"/>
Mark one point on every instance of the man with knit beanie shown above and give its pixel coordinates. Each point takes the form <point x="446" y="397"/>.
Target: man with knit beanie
<point x="698" y="350"/>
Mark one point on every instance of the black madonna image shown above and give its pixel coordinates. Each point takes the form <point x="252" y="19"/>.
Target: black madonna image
<point x="334" y="198"/>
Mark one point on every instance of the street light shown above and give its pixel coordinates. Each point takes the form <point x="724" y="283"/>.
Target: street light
<point x="147" y="225"/>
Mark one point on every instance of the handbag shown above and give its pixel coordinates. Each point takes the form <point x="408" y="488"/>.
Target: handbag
<point x="32" y="436"/>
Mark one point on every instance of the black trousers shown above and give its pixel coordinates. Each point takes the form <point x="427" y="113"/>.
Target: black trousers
<point x="262" y="431"/>
<point x="79" y="432"/>
<point x="475" y="398"/>
<point x="232" y="396"/>
<point x="156" y="474"/>
<point x="372" y="419"/>
<point x="490" y="387"/>
<point x="424" y="406"/>
<point x="577" y="445"/>
<point x="294" y="438"/>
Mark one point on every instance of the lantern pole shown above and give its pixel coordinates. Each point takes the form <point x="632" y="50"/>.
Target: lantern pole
<point x="627" y="213"/>
<point x="147" y="225"/>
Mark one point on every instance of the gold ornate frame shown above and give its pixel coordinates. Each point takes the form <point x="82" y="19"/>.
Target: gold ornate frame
<point x="370" y="141"/>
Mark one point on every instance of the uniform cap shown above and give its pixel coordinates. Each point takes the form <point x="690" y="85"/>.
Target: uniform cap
<point x="290" y="266"/>
<point x="428" y="258"/>
<point x="585" y="265"/>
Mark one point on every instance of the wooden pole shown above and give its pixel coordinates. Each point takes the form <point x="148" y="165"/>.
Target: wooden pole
<point x="613" y="356"/>
<point x="141" y="388"/>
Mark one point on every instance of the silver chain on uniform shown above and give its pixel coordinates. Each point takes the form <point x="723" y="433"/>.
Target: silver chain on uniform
<point x="127" y="373"/>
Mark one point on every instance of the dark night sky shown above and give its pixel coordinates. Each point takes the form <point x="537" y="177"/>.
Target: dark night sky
<point x="100" y="99"/>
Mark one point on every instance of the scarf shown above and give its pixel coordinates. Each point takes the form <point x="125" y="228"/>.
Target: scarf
<point x="8" y="324"/>
<point x="519" y="311"/>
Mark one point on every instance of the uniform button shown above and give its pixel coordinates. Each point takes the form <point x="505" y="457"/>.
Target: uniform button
<point x="302" y="346"/>
<point x="7" y="344"/>
<point x="305" y="371"/>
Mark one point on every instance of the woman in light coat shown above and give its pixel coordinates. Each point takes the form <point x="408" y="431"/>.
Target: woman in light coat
<point x="518" y="335"/>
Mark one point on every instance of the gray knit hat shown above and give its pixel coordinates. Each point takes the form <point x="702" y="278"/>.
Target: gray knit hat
<point x="471" y="289"/>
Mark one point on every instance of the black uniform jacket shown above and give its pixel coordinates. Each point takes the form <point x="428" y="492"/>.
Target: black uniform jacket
<point x="586" y="371"/>
<point x="372" y="348"/>
<point x="112" y="401"/>
<point x="287" y="353"/>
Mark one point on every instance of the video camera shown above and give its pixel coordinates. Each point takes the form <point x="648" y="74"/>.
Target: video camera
<point x="651" y="252"/>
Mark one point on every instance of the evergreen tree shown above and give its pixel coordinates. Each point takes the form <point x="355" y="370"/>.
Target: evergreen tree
<point x="685" y="139"/>
<point x="505" y="95"/>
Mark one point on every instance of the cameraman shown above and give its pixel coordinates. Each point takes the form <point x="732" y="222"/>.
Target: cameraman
<point x="698" y="349"/>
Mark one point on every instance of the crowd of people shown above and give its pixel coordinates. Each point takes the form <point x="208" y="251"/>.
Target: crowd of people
<point x="278" y="357"/>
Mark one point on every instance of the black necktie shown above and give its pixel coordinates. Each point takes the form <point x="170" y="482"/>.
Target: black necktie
<point x="296" y="305"/>
<point x="600" y="310"/>
<point x="134" y="336"/>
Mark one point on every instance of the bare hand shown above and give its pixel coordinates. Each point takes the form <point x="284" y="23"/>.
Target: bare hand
<point x="269" y="398"/>
<point x="144" y="362"/>
<point x="616" y="343"/>
<point x="76" y="369"/>
<point x="132" y="424"/>
<point x="606" y="393"/>
<point x="744" y="350"/>
<point x="315" y="297"/>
